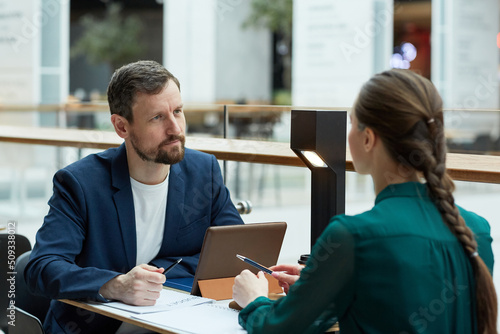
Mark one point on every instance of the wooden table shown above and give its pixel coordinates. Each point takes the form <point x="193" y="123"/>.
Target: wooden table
<point x="115" y="314"/>
<point x="118" y="315"/>
<point x="125" y="316"/>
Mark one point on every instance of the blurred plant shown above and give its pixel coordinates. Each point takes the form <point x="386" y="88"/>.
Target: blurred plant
<point x="282" y="97"/>
<point x="277" y="16"/>
<point x="113" y="39"/>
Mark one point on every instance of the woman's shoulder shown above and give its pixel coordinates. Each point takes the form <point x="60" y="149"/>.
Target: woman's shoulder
<point x="475" y="222"/>
<point x="357" y="223"/>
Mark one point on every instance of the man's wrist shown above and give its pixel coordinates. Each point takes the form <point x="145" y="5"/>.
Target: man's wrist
<point x="107" y="291"/>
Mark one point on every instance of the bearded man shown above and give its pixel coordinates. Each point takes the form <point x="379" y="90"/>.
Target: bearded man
<point x="119" y="217"/>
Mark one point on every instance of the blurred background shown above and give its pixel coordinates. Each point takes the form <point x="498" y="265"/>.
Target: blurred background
<point x="258" y="59"/>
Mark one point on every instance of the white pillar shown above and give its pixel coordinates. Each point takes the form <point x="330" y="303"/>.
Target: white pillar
<point x="19" y="52"/>
<point x="34" y="45"/>
<point x="34" y="70"/>
<point x="214" y="58"/>
<point x="189" y="47"/>
<point x="54" y="58"/>
<point x="465" y="61"/>
<point x="337" y="46"/>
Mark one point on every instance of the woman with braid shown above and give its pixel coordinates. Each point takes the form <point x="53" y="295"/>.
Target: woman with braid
<point x="415" y="263"/>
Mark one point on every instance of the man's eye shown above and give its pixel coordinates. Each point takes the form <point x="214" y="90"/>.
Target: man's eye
<point x="177" y="111"/>
<point x="156" y="117"/>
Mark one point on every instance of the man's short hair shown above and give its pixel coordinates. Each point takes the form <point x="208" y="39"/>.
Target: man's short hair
<point x="145" y="76"/>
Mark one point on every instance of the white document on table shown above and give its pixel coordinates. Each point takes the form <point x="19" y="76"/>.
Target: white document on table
<point x="168" y="300"/>
<point x="199" y="319"/>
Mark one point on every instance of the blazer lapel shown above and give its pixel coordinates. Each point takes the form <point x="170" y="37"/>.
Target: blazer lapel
<point x="124" y="204"/>
<point x="175" y="206"/>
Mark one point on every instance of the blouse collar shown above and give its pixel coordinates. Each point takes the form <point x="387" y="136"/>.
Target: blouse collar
<point x="407" y="189"/>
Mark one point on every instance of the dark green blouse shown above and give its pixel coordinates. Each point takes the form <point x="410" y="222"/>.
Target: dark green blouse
<point x="394" y="269"/>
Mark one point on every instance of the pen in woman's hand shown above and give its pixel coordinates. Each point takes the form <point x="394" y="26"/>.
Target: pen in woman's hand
<point x="255" y="264"/>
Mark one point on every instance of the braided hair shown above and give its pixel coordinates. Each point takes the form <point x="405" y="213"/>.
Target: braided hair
<point x="405" y="110"/>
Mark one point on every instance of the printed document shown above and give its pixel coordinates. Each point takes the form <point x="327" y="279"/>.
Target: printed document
<point x="169" y="300"/>
<point x="199" y="319"/>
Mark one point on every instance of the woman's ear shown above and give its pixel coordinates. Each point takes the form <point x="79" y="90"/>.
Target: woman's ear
<point x="370" y="139"/>
<point x="121" y="125"/>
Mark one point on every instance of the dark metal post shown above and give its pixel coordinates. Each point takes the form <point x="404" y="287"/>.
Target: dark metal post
<point x="323" y="132"/>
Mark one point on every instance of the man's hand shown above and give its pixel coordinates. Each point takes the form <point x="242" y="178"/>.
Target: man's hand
<point x="140" y="286"/>
<point x="286" y="274"/>
<point x="247" y="287"/>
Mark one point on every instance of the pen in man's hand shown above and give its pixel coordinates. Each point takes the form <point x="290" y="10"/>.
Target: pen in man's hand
<point x="172" y="266"/>
<point x="255" y="264"/>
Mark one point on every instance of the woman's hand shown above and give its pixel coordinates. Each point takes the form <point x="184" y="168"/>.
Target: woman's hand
<point x="247" y="287"/>
<point x="286" y="274"/>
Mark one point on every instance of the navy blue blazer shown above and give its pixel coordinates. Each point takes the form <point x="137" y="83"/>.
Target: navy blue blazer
<point x="88" y="236"/>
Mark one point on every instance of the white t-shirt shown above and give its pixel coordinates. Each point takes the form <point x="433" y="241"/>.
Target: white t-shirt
<point x="150" y="205"/>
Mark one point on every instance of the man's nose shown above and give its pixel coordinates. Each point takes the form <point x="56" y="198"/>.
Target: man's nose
<point x="172" y="126"/>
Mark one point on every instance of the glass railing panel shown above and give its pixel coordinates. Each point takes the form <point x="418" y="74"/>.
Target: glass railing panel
<point x="473" y="131"/>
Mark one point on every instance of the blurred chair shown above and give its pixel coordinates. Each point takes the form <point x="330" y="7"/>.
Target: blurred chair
<point x="33" y="304"/>
<point x="483" y="143"/>
<point x="497" y="144"/>
<point x="259" y="126"/>
<point x="19" y="245"/>
<point x="26" y="324"/>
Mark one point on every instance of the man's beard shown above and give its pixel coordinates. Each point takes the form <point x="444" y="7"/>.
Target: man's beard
<point x="160" y="156"/>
